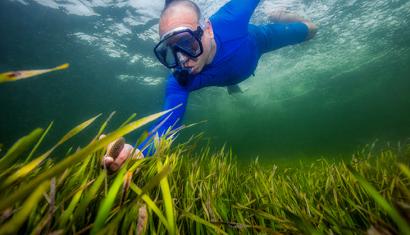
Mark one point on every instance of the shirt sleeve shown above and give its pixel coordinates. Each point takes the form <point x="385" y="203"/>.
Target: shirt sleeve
<point x="233" y="18"/>
<point x="274" y="36"/>
<point x="175" y="95"/>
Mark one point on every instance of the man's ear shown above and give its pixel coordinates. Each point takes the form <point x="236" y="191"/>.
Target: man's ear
<point x="209" y="30"/>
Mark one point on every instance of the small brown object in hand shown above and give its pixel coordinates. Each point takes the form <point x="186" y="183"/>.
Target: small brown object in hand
<point x="118" y="152"/>
<point x="113" y="151"/>
<point x="116" y="148"/>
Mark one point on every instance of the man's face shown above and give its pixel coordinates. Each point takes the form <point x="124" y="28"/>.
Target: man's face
<point x="186" y="17"/>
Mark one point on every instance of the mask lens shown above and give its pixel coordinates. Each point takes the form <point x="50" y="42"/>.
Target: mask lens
<point x="165" y="55"/>
<point x="188" y="44"/>
<point x="182" y="58"/>
<point x="169" y="58"/>
<point x="183" y="42"/>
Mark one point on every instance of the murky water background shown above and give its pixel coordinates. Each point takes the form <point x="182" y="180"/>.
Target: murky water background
<point x="330" y="96"/>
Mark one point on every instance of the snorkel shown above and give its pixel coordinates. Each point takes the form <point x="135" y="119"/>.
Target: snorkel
<point x="182" y="75"/>
<point x="180" y="72"/>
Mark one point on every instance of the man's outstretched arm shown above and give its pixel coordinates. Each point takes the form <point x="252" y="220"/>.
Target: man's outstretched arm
<point x="234" y="17"/>
<point x="174" y="95"/>
<point x="285" y="17"/>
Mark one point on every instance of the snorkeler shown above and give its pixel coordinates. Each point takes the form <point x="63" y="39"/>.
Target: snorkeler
<point x="223" y="51"/>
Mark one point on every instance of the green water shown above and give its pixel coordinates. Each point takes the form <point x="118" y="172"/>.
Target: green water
<point x="327" y="97"/>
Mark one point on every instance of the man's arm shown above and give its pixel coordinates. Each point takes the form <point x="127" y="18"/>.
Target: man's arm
<point x="234" y="17"/>
<point x="285" y="17"/>
<point x="174" y="95"/>
<point x="241" y="9"/>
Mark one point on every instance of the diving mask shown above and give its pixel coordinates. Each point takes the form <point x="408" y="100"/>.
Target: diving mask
<point x="175" y="46"/>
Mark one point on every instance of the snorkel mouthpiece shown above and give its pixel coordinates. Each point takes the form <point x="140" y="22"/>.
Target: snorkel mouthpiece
<point x="182" y="75"/>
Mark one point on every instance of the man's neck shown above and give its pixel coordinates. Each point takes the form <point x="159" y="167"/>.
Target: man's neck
<point x="212" y="52"/>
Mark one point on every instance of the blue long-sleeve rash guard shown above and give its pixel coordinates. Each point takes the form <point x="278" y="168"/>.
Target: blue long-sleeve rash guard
<point x="239" y="47"/>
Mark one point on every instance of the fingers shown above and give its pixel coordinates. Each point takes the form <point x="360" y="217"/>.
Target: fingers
<point x="276" y="16"/>
<point x="113" y="151"/>
<point x="117" y="153"/>
<point x="122" y="157"/>
<point x="107" y="161"/>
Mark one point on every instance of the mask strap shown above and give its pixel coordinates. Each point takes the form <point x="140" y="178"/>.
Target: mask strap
<point x="202" y="22"/>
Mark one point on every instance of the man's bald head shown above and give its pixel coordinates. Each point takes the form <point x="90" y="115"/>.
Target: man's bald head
<point x="177" y="4"/>
<point x="179" y="13"/>
<point x="186" y="14"/>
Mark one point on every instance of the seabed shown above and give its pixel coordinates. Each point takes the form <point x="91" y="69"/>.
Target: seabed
<point x="182" y="191"/>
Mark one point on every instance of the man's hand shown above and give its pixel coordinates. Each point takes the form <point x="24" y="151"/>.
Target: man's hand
<point x="117" y="153"/>
<point x="286" y="17"/>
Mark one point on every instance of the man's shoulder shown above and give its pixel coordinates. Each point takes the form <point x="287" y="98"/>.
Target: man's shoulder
<point x="226" y="29"/>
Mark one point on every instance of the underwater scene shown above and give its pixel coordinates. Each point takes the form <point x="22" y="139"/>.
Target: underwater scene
<point x="315" y="141"/>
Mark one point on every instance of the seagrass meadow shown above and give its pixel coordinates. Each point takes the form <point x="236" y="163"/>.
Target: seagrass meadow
<point x="295" y="153"/>
<point x="182" y="191"/>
